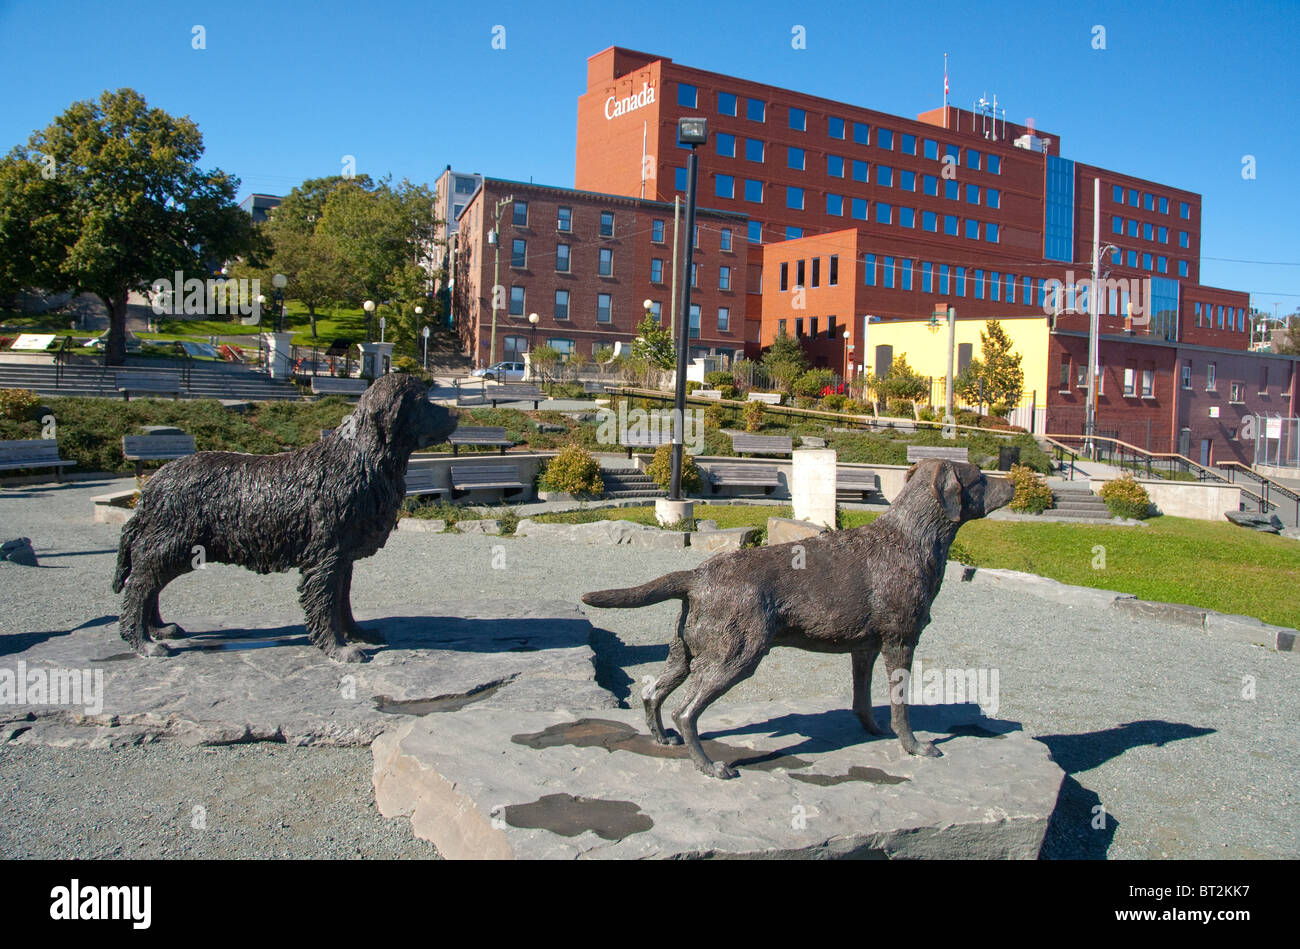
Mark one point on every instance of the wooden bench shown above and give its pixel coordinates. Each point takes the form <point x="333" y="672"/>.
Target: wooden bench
<point x="484" y="437"/>
<point x="511" y="392"/>
<point x="466" y="478"/>
<point x="142" y="448"/>
<point x="762" y="444"/>
<point x="856" y="481"/>
<point x="471" y="397"/>
<point x="156" y="383"/>
<point x="419" y="483"/>
<point x="766" y="477"/>
<point x="771" y="398"/>
<point x="646" y="438"/>
<point x="337" y="385"/>
<point x="594" y="388"/>
<point x="33" y="453"/>
<point x="917" y="453"/>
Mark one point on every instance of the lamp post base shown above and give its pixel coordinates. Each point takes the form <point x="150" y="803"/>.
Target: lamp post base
<point x="668" y="511"/>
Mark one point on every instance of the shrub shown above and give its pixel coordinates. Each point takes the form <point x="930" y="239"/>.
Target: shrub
<point x="713" y="416"/>
<point x="810" y="384"/>
<point x="855" y="407"/>
<point x="834" y="402"/>
<point x="899" y="408"/>
<point x="1032" y="496"/>
<point x="691" y="386"/>
<point x="927" y="414"/>
<point x="719" y="378"/>
<point x="565" y="390"/>
<point x="728" y="392"/>
<point x="573" y="470"/>
<point x="1126" y="498"/>
<point x="753" y="416"/>
<point x="405" y="364"/>
<point x="17" y="404"/>
<point x="660" y="470"/>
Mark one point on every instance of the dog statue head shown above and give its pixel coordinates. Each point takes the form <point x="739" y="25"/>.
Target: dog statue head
<point x="396" y="413"/>
<point x="963" y="491"/>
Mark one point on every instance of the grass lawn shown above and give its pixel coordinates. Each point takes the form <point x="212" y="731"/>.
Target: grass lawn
<point x="1203" y="563"/>
<point x="331" y="324"/>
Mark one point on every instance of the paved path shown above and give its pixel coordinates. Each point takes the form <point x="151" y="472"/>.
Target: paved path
<point x="1185" y="740"/>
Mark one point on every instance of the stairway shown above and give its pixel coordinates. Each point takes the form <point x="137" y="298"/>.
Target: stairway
<point x="90" y="378"/>
<point x="629" y="483"/>
<point x="1078" y="504"/>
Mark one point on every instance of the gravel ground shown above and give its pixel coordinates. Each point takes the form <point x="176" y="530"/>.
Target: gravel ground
<point x="1152" y="722"/>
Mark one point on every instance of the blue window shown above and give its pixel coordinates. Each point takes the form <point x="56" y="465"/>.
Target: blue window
<point x="725" y="186"/>
<point x="959" y="276"/>
<point x="1132" y="227"/>
<point x="862" y="133"/>
<point x="1117" y="256"/>
<point x="861" y="171"/>
<point x="1133" y="258"/>
<point x="995" y="287"/>
<point x="794" y="198"/>
<point x="1162" y="307"/>
<point x="945" y="279"/>
<point x="885" y="139"/>
<point x="927" y="277"/>
<point x="835" y="166"/>
<point x="686" y="95"/>
<point x="995" y="165"/>
<point x="1184" y="210"/>
<point x="930" y="185"/>
<point x="835" y="127"/>
<point x="726" y="103"/>
<point x="907" y="144"/>
<point x="724" y="239"/>
<point x="756" y="110"/>
<point x="906" y="217"/>
<point x="1220" y="316"/>
<point x="1162" y="235"/>
<point x="931" y="149"/>
<point x="907" y="274"/>
<point x="1011" y="288"/>
<point x="835" y="205"/>
<point x="657" y="232"/>
<point x="858" y="208"/>
<point x="1058" y="230"/>
<point x="1117" y="194"/>
<point x="1147" y="231"/>
<point x="972" y="194"/>
<point x="972" y="159"/>
<point x="793" y="233"/>
<point x="1182" y="268"/>
<point x="869" y="270"/>
<point x="724" y="319"/>
<point x="993" y="197"/>
<point x="799" y="120"/>
<point x="929" y="221"/>
<point x="1164" y="205"/>
<point x="972" y="229"/>
<point x="656" y="271"/>
<point x="726" y="145"/>
<point x="1183" y="240"/>
<point x="794" y="158"/>
<point x="753" y="191"/>
<point x="694" y="325"/>
<point x="679" y="178"/>
<point x="1148" y="201"/>
<point x="754" y="232"/>
<point x="1116" y="224"/>
<point x="884" y="176"/>
<point x="1162" y="264"/>
<point x="1133" y="197"/>
<point x="889" y="272"/>
<point x="754" y="149"/>
<point x="951" y="190"/>
<point x="1146" y="261"/>
<point x="950" y="225"/>
<point x="991" y="233"/>
<point x="979" y="285"/>
<point x="953" y="152"/>
<point x="884" y="213"/>
<point x="906" y="180"/>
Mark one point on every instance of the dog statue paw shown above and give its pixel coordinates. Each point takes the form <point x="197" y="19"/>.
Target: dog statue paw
<point x="156" y="650"/>
<point x="349" y="654"/>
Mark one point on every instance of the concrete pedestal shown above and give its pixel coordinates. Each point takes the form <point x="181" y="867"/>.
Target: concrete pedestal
<point x="279" y="349"/>
<point x="376" y="359"/>
<point x="812" y="486"/>
<point x="670" y="512"/>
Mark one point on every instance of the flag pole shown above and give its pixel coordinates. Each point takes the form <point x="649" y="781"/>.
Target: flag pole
<point x="945" y="90"/>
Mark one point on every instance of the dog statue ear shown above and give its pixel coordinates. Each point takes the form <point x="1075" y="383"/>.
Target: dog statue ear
<point x="910" y="471"/>
<point x="948" y="489"/>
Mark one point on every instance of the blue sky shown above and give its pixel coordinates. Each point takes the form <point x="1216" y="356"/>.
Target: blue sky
<point x="1181" y="93"/>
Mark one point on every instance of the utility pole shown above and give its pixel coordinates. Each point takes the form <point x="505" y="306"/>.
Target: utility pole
<point x="672" y="306"/>
<point x="692" y="132"/>
<point x="1090" y="426"/>
<point x="949" y="417"/>
<point x="495" y="238"/>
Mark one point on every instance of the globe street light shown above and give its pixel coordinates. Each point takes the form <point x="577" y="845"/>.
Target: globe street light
<point x="369" y="307"/>
<point x="280" y="281"/>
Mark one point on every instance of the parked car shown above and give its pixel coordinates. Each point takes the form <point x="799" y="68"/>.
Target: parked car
<point x="502" y="372"/>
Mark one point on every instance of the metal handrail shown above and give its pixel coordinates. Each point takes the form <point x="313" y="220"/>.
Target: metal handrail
<point x="1061" y="451"/>
<point x="61" y="355"/>
<point x="1267" y="486"/>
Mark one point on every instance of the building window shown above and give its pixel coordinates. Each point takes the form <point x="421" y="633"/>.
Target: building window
<point x="603" y="307"/>
<point x="562" y="346"/>
<point x="606" y="223"/>
<point x="465" y="185"/>
<point x="959" y="277"/>
<point x="906" y="217"/>
<point x="861" y="171"/>
<point x="520" y="209"/>
<point x="724" y="278"/>
<point x="907" y="144"/>
<point x="1148" y="201"/>
<point x="993" y="197"/>
<point x="1132" y="197"/>
<point x="564" y="219"/>
<point x="991" y="232"/>
<point x="972" y="159"/>
<point x="835" y="166"/>
<point x="1064" y="384"/>
<point x="979" y="285"/>
<point x="835" y="127"/>
<point x="780" y="328"/>
<point x="995" y="165"/>
<point x="833" y="278"/>
<point x="605" y="268"/>
<point x="929" y="221"/>
<point x="799" y="274"/>
<point x="861" y="133"/>
<point x="1182" y="268"/>
<point x="785" y="276"/>
<point x="695" y="275"/>
<point x="756" y="110"/>
<point x="754" y="149"/>
<point x="695" y="321"/>
<point x="657" y="232"/>
<point x="1187" y="375"/>
<point x="885" y="139"/>
<point x="1116" y="224"/>
<point x="1132" y="257"/>
<point x="1237" y="392"/>
<point x="656" y="308"/>
<point x="687" y="96"/>
<point x="519" y="253"/>
<point x="1210" y="382"/>
<point x="835" y="205"/>
<point x="1184" y="210"/>
<point x="972" y="229"/>
<point x="816" y="272"/>
<point x="753" y="191"/>
<point x="794" y="198"/>
<point x="951" y="190"/>
<point x="1162" y="264"/>
<point x="950" y="225"/>
<point x="724" y="186"/>
<point x="884" y="176"/>
<point x="516" y="301"/>
<point x="906" y="180"/>
<point x="927" y="277"/>
<point x="562" y="258"/>
<point x="1164" y="205"/>
<point x="931" y="149"/>
<point x="869" y="270"/>
<point x="812" y="326"/>
<point x="995" y="287"/>
<point x="1117" y="194"/>
<point x="858" y="208"/>
<point x="884" y="213"/>
<point x="724" y="319"/>
<point x="726" y="145"/>
<point x="972" y="194"/>
<point x="1130" y="381"/>
<point x="656" y="270"/>
<point x="726" y="103"/>
<point x="561" y="304"/>
<point x="794" y="158"/>
<point x="930" y="185"/>
<point x="889" y="272"/>
<point x="945" y="279"/>
<point x="798" y="120"/>
<point x="754" y="232"/>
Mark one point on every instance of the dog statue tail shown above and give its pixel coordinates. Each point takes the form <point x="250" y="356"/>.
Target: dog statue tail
<point x="124" y="554"/>
<point x="670" y="586"/>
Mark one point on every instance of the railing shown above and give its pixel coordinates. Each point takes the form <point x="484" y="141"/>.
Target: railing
<point x="61" y="355"/>
<point x="1267" y="486"/>
<point x="1059" y="451"/>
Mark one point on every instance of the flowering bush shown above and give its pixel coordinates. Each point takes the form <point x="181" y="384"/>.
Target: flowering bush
<point x="1032" y="496"/>
<point x="575" y="471"/>
<point x="1126" y="498"/>
<point x="660" y="470"/>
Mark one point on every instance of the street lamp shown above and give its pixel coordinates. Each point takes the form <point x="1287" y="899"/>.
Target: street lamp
<point x="419" y="311"/>
<point x="279" y="281"/>
<point x="692" y="132"/>
<point x="533" y="319"/>
<point x="369" y="307"/>
<point x="848" y="360"/>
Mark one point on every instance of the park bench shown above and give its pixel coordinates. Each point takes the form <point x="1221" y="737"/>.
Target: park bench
<point x="156" y="383"/>
<point x="762" y="444"/>
<point x="471" y="397"/>
<point x="513" y="392"/>
<point x="771" y="398"/>
<point x="856" y="481"/>
<point x="594" y="388"/>
<point x="466" y="478"/>
<point x="647" y="438"/>
<point x="483" y="437"/>
<point x="419" y="483"/>
<point x="337" y="385"/>
<point x="744" y="476"/>
<point x="32" y="453"/>
<point x="917" y="453"/>
<point x="712" y="395"/>
<point x="142" y="448"/>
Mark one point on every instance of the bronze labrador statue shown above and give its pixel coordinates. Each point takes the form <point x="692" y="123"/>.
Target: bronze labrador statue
<point x="863" y="591"/>
<point x="318" y="509"/>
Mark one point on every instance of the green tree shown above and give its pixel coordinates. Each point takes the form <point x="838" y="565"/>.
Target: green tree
<point x="1289" y="343"/>
<point x="784" y="361"/>
<point x="654" y="344"/>
<point x="998" y="369"/>
<point x="902" y="382"/>
<point x="318" y="274"/>
<point x="108" y="198"/>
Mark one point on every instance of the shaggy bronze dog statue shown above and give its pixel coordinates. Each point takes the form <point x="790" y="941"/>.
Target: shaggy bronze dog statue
<point x="863" y="591"/>
<point x="318" y="509"/>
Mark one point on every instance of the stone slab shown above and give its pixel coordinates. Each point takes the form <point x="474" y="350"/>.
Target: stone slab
<point x="486" y="783"/>
<point x="489" y="525"/>
<point x="259" y="679"/>
<point x="1046" y="588"/>
<point x="783" y="530"/>
<point x="727" y="538"/>
<point x="426" y="525"/>
<point x="1180" y="614"/>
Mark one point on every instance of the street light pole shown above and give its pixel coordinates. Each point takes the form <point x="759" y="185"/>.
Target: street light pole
<point x="495" y="238"/>
<point x="1090" y="424"/>
<point x="949" y="416"/>
<point x="692" y="132"/>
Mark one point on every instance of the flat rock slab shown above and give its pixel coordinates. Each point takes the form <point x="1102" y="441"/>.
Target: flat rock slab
<point x="489" y="783"/>
<point x="259" y="679"/>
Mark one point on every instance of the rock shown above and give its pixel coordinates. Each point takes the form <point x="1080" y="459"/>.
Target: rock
<point x="259" y="678"/>
<point x="487" y="525"/>
<point x="782" y="530"/>
<point x="596" y="532"/>
<point x="426" y="524"/>
<point x="706" y="525"/>
<point x="1266" y="523"/>
<point x="551" y="428"/>
<point x="490" y="783"/>
<point x="1180" y="614"/>
<point x="19" y="551"/>
<point x="1291" y="532"/>
<point x="1043" y="587"/>
<point x="812" y="441"/>
<point x="731" y="538"/>
<point x="1248" y="629"/>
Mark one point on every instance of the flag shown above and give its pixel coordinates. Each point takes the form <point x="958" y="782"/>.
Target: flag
<point x="945" y="74"/>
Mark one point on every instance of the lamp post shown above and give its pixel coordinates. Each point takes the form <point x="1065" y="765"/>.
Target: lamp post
<point x="692" y="132"/>
<point x="950" y="314"/>
<point x="279" y="281"/>
<point x="848" y="360"/>
<point x="369" y="308"/>
<point x="419" y="311"/>
<point x="533" y="319"/>
<point x="261" y="302"/>
<point x="494" y="238"/>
